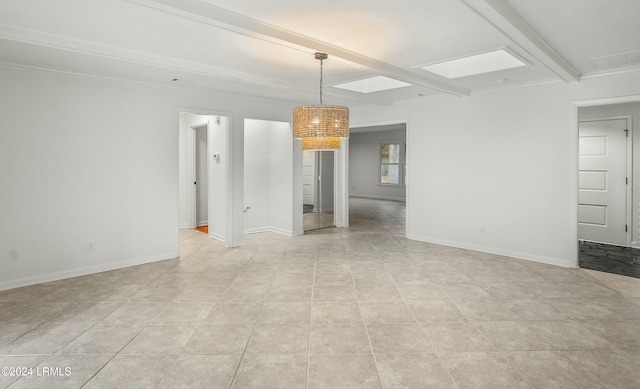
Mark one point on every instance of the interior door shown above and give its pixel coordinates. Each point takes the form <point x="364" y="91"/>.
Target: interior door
<point x="602" y="196"/>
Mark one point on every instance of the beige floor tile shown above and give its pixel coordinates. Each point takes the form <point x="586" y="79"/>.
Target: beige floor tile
<point x="536" y="310"/>
<point x="334" y="294"/>
<point x="184" y="313"/>
<point x="11" y="332"/>
<point x="386" y="313"/>
<point x="271" y="372"/>
<point x="486" y="310"/>
<point x="422" y="292"/>
<point x="378" y="292"/>
<point x="281" y="313"/>
<point x="88" y="313"/>
<point x="419" y="371"/>
<point x="343" y="371"/>
<point x="200" y="294"/>
<point x="16" y="361"/>
<point x="411" y="278"/>
<point x="549" y="369"/>
<point x="201" y="371"/>
<point x="293" y="279"/>
<point x="245" y="293"/>
<point x="63" y="371"/>
<point x="614" y="368"/>
<point x="465" y="292"/>
<point x="254" y="278"/>
<point x="296" y="267"/>
<point x="279" y="339"/>
<point x="234" y="313"/>
<point x="157" y="294"/>
<point x="570" y="335"/>
<point x="132" y="371"/>
<point x="619" y="334"/>
<point x="379" y="277"/>
<point x="160" y="339"/>
<point x="30" y="313"/>
<point x="333" y="279"/>
<point x="43" y="340"/>
<point x="102" y="339"/>
<point x="135" y="313"/>
<point x="339" y="339"/>
<point x="436" y="311"/>
<point x="336" y="313"/>
<point x="290" y="293"/>
<point x="507" y="291"/>
<point x="332" y="267"/>
<point x="581" y="308"/>
<point x="219" y="339"/>
<point x="514" y="335"/>
<point x="457" y="337"/>
<point x="398" y="338"/>
<point x="479" y="370"/>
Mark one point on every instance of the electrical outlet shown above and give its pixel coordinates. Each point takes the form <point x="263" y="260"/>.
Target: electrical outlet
<point x="91" y="247"/>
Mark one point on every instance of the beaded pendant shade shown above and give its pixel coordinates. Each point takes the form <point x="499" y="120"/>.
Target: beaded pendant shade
<point x="318" y="126"/>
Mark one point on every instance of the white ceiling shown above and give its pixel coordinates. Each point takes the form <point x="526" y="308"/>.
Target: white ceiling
<point x="265" y="49"/>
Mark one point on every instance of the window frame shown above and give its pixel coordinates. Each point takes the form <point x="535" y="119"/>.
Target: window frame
<point x="402" y="162"/>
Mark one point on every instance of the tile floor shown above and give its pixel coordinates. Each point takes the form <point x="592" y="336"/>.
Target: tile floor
<point x="338" y="308"/>
<point x="610" y="259"/>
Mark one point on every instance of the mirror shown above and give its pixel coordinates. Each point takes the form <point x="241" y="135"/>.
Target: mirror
<point x="318" y="189"/>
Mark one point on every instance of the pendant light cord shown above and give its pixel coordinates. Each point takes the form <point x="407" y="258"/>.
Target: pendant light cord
<point x="321" y="81"/>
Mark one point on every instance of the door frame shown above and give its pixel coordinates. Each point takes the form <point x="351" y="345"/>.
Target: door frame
<point x="574" y="133"/>
<point x="225" y="151"/>
<point x="628" y="168"/>
<point x="193" y="170"/>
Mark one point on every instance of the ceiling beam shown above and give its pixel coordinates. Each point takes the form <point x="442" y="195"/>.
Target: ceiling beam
<point x="497" y="13"/>
<point x="231" y="21"/>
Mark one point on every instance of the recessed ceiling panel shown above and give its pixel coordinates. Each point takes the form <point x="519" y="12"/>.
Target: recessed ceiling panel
<point x="487" y="62"/>
<point x="372" y="84"/>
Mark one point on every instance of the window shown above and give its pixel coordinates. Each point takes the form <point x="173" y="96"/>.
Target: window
<point x="392" y="163"/>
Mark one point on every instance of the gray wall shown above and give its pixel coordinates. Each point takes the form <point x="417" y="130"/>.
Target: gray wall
<point x="363" y="165"/>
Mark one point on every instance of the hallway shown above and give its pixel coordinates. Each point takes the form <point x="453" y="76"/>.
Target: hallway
<point x="359" y="307"/>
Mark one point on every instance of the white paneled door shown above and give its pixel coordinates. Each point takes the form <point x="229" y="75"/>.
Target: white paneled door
<point x="602" y="198"/>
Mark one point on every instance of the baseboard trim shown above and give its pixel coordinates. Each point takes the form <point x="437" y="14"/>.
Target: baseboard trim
<point x="61" y="275"/>
<point x="364" y="196"/>
<point x="492" y="250"/>
<point x="202" y="223"/>
<point x="268" y="229"/>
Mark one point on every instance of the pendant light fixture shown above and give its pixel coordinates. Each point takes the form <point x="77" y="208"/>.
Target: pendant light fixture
<point x="319" y="126"/>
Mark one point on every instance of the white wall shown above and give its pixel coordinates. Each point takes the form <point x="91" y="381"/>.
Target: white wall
<point x="505" y="160"/>
<point x="268" y="177"/>
<point x="85" y="160"/>
<point x="632" y="109"/>
<point x="364" y="152"/>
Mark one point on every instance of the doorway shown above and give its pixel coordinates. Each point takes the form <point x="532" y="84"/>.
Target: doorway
<point x="318" y="189"/>
<point x="202" y="178"/>
<point x="608" y="200"/>
<point x="204" y="165"/>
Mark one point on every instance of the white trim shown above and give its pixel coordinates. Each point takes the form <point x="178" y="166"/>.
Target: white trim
<point x="628" y="169"/>
<point x="259" y="230"/>
<point x="563" y="262"/>
<point x="61" y="275"/>
<point x="575" y="119"/>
